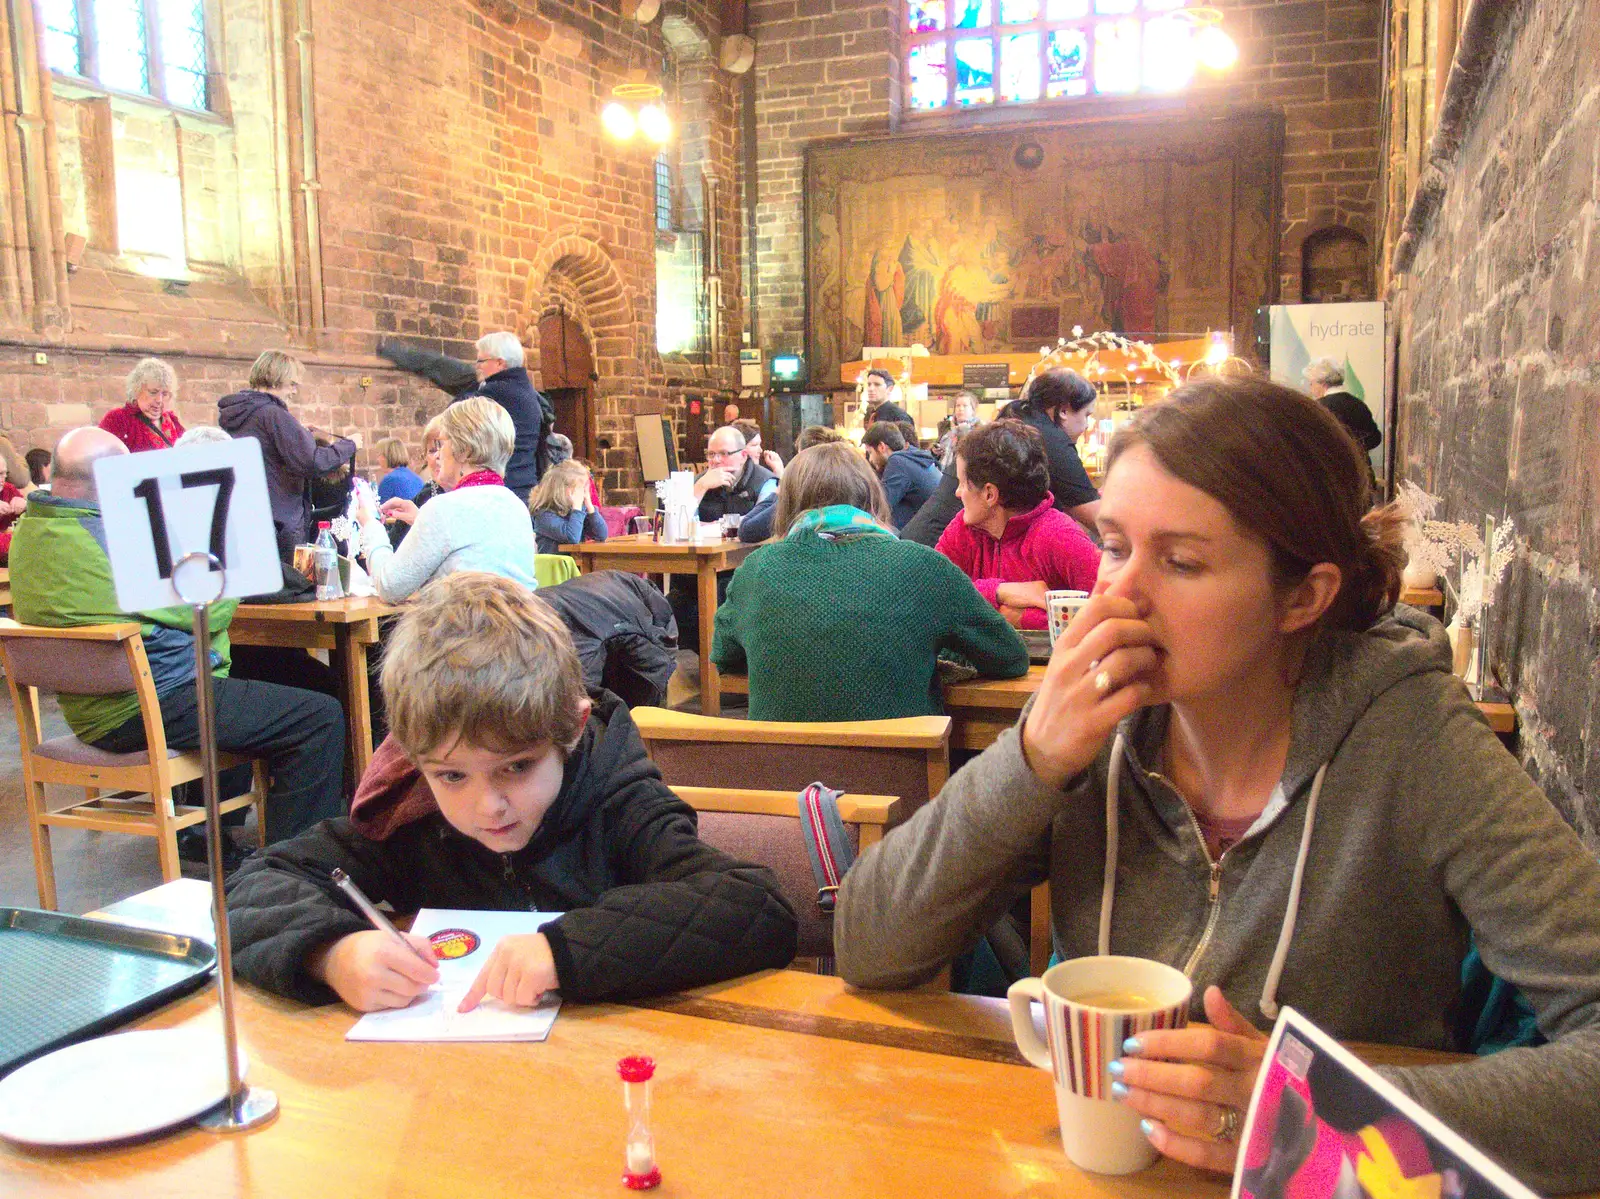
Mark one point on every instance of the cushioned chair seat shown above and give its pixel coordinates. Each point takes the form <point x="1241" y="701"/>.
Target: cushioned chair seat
<point x="81" y="753"/>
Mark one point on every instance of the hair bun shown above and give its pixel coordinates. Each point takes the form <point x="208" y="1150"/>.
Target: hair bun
<point x="1374" y="583"/>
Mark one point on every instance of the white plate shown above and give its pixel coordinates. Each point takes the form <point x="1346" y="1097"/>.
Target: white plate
<point x="112" y="1088"/>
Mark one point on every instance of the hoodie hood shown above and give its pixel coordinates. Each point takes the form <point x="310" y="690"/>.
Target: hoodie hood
<point x="393" y="792"/>
<point x="233" y="411"/>
<point x="919" y="456"/>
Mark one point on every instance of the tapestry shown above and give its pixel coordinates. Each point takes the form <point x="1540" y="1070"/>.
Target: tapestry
<point x="1004" y="239"/>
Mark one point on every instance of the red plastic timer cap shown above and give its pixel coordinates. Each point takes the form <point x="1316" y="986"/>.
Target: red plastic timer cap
<point x="636" y="1069"/>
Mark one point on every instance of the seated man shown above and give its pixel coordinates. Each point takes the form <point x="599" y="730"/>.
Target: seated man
<point x="910" y="474"/>
<point x="506" y="786"/>
<point x="731" y="486"/>
<point x="61" y="577"/>
<point x="1009" y="537"/>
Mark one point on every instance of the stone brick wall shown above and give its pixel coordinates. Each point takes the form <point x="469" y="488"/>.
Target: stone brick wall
<point x="463" y="185"/>
<point x="1499" y="382"/>
<point x="831" y="68"/>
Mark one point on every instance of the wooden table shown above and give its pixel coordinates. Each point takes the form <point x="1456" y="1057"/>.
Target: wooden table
<point x="344" y="627"/>
<point x="5" y="586"/>
<point x="640" y="554"/>
<point x="778" y="1084"/>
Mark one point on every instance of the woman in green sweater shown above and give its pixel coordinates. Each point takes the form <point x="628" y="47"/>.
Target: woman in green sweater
<point x="840" y="619"/>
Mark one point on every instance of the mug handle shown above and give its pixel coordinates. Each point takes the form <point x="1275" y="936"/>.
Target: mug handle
<point x="1022" y="995"/>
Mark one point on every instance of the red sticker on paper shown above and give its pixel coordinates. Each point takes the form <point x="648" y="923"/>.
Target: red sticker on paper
<point x="451" y="943"/>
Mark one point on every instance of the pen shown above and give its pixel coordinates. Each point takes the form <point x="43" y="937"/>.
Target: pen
<point x="378" y="920"/>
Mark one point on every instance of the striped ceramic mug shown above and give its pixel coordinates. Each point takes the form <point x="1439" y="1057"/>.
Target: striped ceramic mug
<point x="1092" y="1005"/>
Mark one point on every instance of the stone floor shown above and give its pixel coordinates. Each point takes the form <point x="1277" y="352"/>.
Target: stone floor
<point x="94" y="869"/>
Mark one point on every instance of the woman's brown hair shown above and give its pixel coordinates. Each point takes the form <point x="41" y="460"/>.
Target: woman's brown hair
<point x="833" y="473"/>
<point x="1285" y="470"/>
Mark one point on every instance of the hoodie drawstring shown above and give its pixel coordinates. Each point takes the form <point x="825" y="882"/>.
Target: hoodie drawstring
<point x="1269" y="990"/>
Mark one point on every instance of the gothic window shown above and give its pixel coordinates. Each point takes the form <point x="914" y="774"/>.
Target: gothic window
<point x="984" y="53"/>
<point x="154" y="48"/>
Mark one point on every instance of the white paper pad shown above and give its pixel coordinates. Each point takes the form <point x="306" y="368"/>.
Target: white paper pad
<point x="433" y="1017"/>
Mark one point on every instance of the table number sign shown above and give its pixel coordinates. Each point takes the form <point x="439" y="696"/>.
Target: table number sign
<point x="164" y="504"/>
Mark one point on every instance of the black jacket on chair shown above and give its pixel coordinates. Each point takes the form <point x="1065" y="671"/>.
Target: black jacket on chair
<point x="649" y="907"/>
<point x="622" y="627"/>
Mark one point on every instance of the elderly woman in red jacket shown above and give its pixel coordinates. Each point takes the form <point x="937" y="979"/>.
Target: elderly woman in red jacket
<point x="147" y="421"/>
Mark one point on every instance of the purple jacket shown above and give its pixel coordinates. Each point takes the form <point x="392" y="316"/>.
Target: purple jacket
<point x="292" y="456"/>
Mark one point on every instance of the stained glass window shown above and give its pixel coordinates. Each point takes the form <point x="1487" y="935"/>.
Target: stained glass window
<point x="63" y="43"/>
<point x="971" y="14"/>
<point x="1019" y="66"/>
<point x="123" y="53"/>
<point x="1069" y="56"/>
<point x="975" y="71"/>
<point x="117" y="43"/>
<point x="183" y="51"/>
<point x="967" y="53"/>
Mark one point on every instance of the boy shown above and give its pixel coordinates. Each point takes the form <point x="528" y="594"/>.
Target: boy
<point x="504" y="785"/>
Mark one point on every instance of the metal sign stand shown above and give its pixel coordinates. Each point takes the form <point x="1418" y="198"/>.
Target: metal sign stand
<point x="246" y="1106"/>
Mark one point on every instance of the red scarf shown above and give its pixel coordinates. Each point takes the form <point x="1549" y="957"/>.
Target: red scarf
<point x="481" y="478"/>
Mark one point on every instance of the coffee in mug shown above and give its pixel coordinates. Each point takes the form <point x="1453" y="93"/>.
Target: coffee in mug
<point x="1091" y="1005"/>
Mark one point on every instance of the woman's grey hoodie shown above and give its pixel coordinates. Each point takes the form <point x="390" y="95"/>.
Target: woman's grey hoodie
<point x="1400" y="826"/>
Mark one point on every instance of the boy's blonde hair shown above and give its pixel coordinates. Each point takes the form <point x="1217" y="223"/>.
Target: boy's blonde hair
<point x="477" y="659"/>
<point x="479" y="431"/>
<point x="554" y="493"/>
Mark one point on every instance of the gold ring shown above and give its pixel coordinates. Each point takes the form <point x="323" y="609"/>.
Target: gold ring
<point x="1227" y="1126"/>
<point x="1102" y="682"/>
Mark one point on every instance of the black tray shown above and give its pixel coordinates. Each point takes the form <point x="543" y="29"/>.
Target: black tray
<point x="66" y="978"/>
<point x="1038" y="643"/>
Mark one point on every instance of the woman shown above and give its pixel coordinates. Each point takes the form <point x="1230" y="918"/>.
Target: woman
<point x="841" y="620"/>
<point x="147" y="421"/>
<point x="1245" y="762"/>
<point x="1060" y="404"/>
<point x="963" y="419"/>
<point x="1009" y="539"/>
<point x="563" y="511"/>
<point x="293" y="454"/>
<point x="477" y="524"/>
<point x="399" y="480"/>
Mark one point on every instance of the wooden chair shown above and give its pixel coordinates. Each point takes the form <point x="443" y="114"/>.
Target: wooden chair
<point x="908" y="757"/>
<point x="102" y="660"/>
<point x="764" y="827"/>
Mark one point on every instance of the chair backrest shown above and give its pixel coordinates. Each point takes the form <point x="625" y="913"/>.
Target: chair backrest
<point x="764" y="827"/>
<point x="551" y="569"/>
<point x="909" y="757"/>
<point x="82" y="661"/>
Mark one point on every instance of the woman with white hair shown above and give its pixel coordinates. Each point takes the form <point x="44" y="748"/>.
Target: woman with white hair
<point x="475" y="524"/>
<point x="503" y="379"/>
<point x="1324" y="380"/>
<point x="293" y="454"/>
<point x="147" y="421"/>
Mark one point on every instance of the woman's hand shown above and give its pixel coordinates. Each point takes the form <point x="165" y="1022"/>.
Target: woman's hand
<point x="1100" y="671"/>
<point x="365" y="512"/>
<point x="398" y="509"/>
<point x="1192" y="1085"/>
<point x="518" y="973"/>
<point x="370" y="971"/>
<point x="770" y="460"/>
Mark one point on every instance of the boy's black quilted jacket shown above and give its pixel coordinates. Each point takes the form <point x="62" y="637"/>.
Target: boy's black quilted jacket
<point x="649" y="907"/>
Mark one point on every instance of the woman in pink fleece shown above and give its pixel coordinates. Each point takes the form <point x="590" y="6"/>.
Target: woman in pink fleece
<point x="1009" y="539"/>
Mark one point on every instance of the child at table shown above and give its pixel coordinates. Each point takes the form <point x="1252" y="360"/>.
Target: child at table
<point x="504" y="786"/>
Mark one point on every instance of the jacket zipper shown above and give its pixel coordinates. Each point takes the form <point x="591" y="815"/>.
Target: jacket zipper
<point x="1213" y="884"/>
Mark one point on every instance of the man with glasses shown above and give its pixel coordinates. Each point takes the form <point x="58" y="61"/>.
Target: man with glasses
<point x="731" y="486"/>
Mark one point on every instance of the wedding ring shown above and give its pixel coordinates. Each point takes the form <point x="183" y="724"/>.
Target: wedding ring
<point x="1102" y="682"/>
<point x="1227" y="1126"/>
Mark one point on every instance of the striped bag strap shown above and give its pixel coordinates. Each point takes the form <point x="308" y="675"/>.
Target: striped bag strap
<point x="827" y="845"/>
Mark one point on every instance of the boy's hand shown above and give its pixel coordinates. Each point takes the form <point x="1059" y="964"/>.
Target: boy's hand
<point x="518" y="973"/>
<point x="371" y="972"/>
